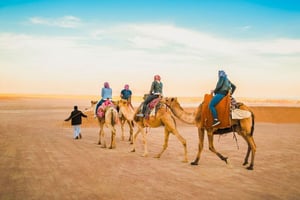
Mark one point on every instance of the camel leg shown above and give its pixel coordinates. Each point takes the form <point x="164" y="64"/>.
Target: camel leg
<point x="103" y="139"/>
<point x="248" y="150"/>
<point x="123" y="129"/>
<point x="183" y="141"/>
<point x="141" y="129"/>
<point x="113" y="138"/>
<point x="134" y="139"/>
<point x="247" y="126"/>
<point x="253" y="148"/>
<point x="247" y="155"/>
<point x="172" y="128"/>
<point x="130" y="131"/>
<point x="99" y="139"/>
<point x="165" y="146"/>
<point x="102" y="136"/>
<point x="101" y="132"/>
<point x="145" y="143"/>
<point x="200" y="146"/>
<point x="212" y="148"/>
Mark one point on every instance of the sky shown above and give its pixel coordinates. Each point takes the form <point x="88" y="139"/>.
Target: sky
<point x="74" y="46"/>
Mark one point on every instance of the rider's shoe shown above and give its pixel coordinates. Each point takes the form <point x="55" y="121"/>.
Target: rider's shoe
<point x="140" y="115"/>
<point x="216" y="122"/>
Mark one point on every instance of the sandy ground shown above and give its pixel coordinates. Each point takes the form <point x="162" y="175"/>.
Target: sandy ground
<point x="40" y="160"/>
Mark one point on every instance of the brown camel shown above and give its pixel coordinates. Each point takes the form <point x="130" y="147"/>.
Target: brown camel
<point x="162" y="117"/>
<point x="126" y="113"/>
<point x="243" y="127"/>
<point x="109" y="120"/>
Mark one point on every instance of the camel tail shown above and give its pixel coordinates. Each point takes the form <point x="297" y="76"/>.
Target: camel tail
<point x="113" y="117"/>
<point x="253" y="123"/>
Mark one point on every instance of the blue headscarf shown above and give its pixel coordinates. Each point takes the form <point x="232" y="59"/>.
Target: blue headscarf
<point x="222" y="73"/>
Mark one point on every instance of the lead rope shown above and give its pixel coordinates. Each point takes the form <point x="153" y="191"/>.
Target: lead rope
<point x="237" y="144"/>
<point x="234" y="136"/>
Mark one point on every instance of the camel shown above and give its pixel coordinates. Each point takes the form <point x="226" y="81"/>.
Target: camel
<point x="244" y="127"/>
<point x="162" y="117"/>
<point x="126" y="116"/>
<point x="109" y="120"/>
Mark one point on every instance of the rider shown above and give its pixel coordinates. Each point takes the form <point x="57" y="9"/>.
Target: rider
<point x="222" y="88"/>
<point x="126" y="93"/>
<point x="155" y="92"/>
<point x="106" y="94"/>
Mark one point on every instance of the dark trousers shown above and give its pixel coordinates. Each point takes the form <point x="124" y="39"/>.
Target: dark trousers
<point x="148" y="100"/>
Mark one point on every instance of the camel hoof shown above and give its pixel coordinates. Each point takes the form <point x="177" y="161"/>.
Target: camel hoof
<point x="145" y="155"/>
<point x="185" y="161"/>
<point x="245" y="163"/>
<point x="225" y="159"/>
<point x="250" y="167"/>
<point x="194" y="163"/>
<point x="157" y="156"/>
<point x="133" y="150"/>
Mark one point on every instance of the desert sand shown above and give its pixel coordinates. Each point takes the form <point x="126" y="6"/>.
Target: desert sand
<point x="39" y="159"/>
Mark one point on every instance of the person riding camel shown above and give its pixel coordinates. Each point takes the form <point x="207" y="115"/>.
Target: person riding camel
<point x="222" y="88"/>
<point x="156" y="91"/>
<point x="126" y="94"/>
<point x="106" y="94"/>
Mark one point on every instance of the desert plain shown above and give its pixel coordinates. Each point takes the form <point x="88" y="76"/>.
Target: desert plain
<point x="39" y="159"/>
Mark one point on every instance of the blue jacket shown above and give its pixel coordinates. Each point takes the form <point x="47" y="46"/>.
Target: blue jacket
<point x="223" y="86"/>
<point x="106" y="93"/>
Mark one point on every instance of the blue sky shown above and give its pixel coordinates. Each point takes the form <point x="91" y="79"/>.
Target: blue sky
<point x="72" y="47"/>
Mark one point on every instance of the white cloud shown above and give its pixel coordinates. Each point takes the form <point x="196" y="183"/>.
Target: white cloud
<point x="146" y="42"/>
<point x="160" y="36"/>
<point x="245" y="28"/>
<point x="136" y="51"/>
<point x="63" y="22"/>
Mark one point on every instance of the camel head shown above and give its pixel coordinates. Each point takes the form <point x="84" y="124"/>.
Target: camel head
<point x="169" y="101"/>
<point x="122" y="103"/>
<point x="93" y="103"/>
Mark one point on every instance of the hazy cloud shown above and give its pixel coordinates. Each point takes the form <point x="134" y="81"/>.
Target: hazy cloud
<point x="148" y="48"/>
<point x="63" y="22"/>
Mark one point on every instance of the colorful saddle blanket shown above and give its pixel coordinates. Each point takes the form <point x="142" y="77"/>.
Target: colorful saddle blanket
<point x="223" y="109"/>
<point x="152" y="107"/>
<point x="102" y="109"/>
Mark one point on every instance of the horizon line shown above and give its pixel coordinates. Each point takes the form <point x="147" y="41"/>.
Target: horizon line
<point x="135" y="97"/>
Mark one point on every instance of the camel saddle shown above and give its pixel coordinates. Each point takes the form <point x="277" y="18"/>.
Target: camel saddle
<point x="152" y="107"/>
<point x="103" y="108"/>
<point x="223" y="109"/>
